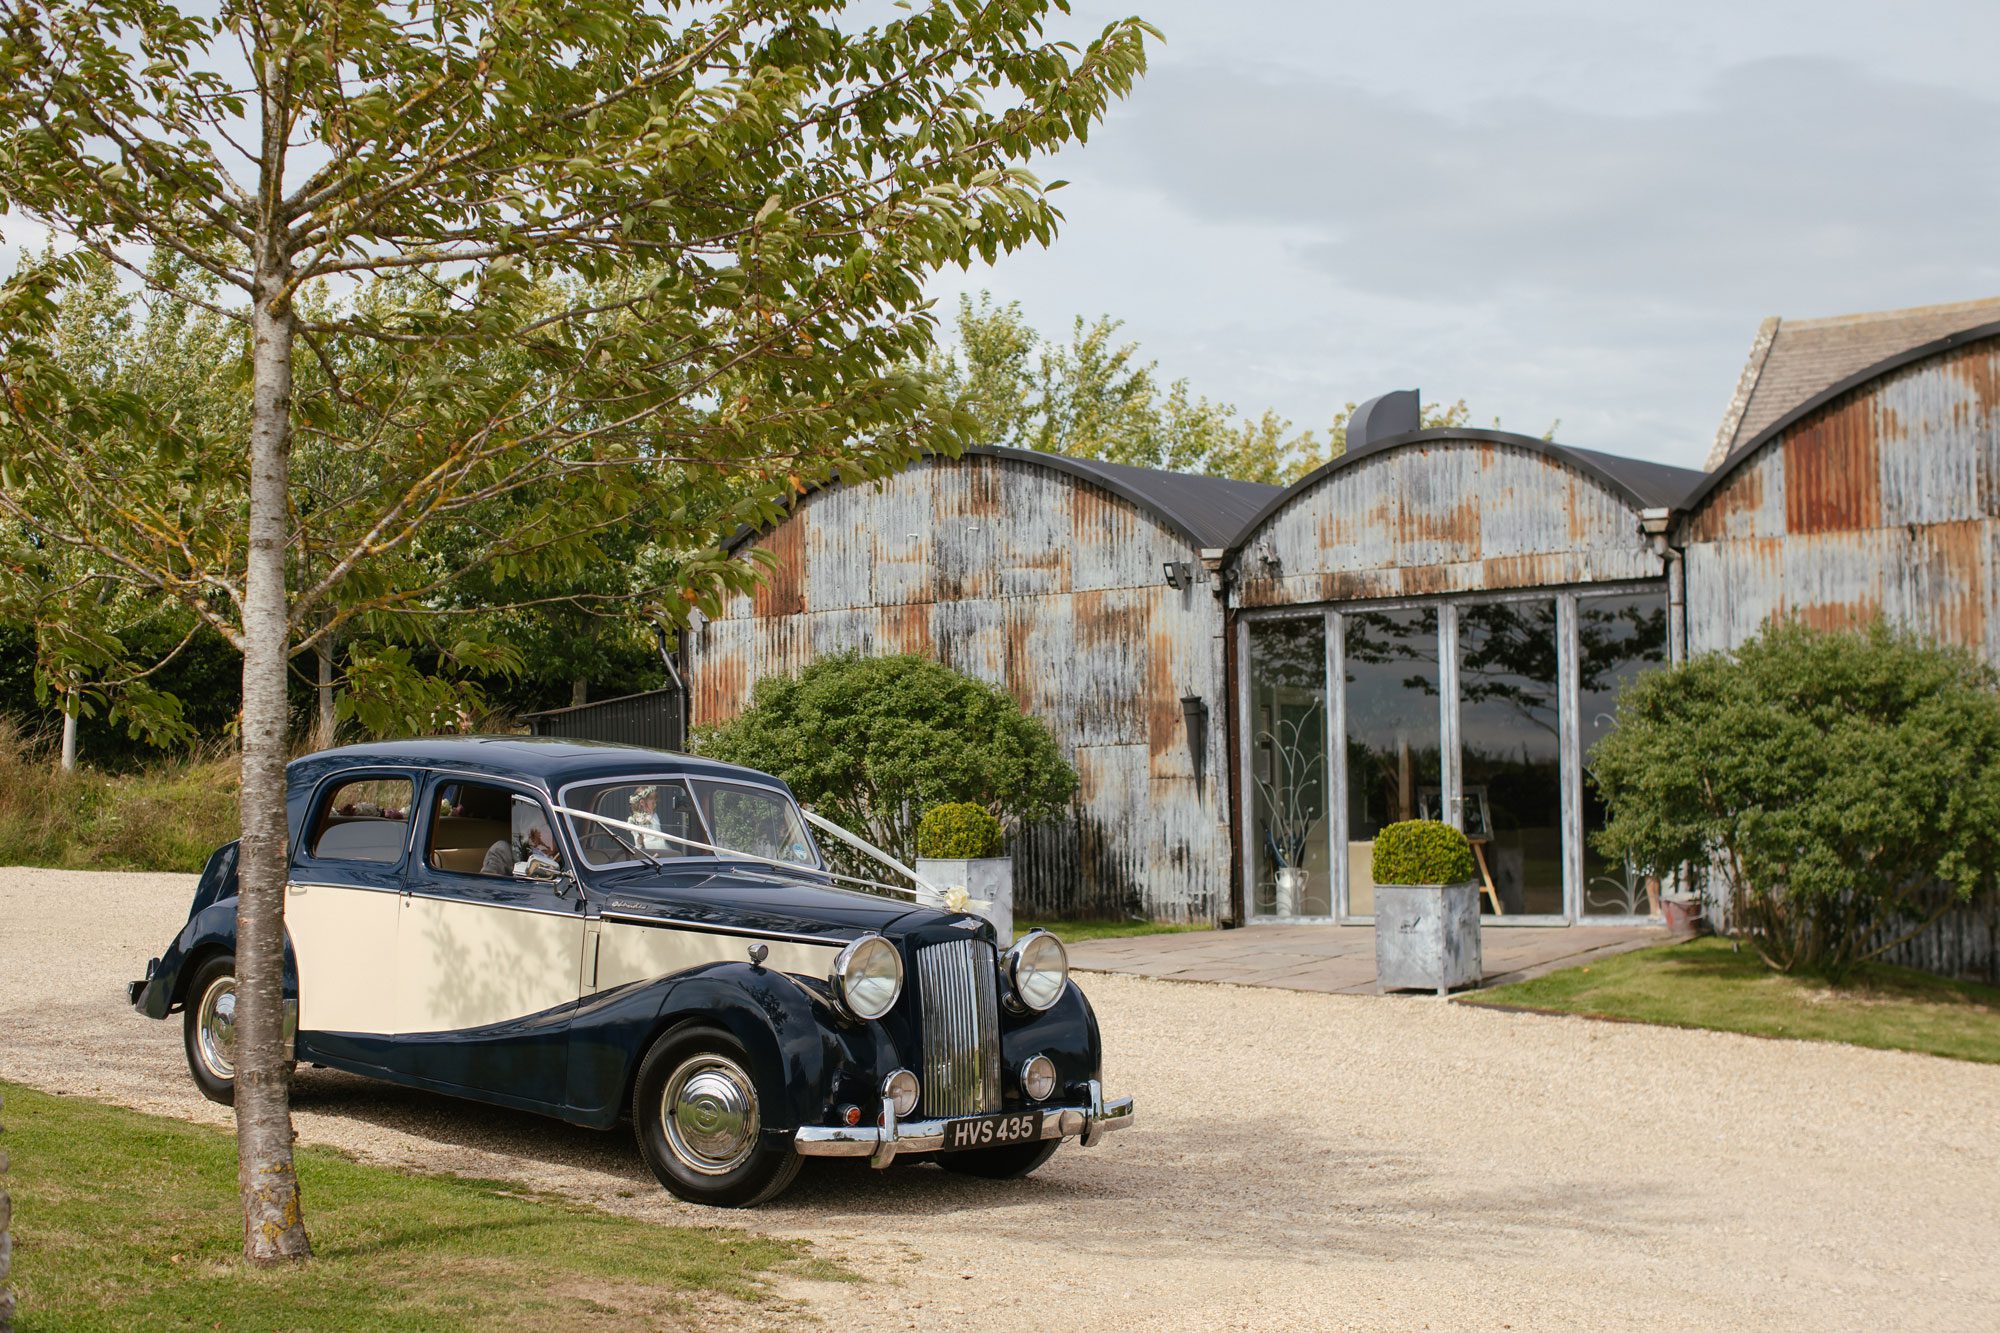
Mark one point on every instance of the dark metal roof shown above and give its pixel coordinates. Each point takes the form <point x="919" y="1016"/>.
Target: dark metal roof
<point x="1640" y="484"/>
<point x="550" y="760"/>
<point x="1208" y="511"/>
<point x="1778" y="427"/>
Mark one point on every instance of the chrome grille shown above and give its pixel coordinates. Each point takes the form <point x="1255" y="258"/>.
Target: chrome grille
<point x="961" y="1038"/>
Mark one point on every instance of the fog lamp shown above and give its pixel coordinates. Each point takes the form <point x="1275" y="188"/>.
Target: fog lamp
<point x="901" y="1091"/>
<point x="1038" y="1078"/>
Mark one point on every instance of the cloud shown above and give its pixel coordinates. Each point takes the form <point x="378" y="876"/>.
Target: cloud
<point x="1299" y="241"/>
<point x="1792" y="182"/>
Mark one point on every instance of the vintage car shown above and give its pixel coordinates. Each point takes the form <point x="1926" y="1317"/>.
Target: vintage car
<point x="595" y="932"/>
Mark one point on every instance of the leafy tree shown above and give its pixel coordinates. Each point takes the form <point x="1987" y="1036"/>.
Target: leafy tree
<point x="100" y="640"/>
<point x="1092" y="397"/>
<point x="641" y="255"/>
<point x="1833" y="781"/>
<point x="874" y="742"/>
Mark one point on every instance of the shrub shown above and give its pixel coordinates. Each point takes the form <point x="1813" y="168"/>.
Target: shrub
<point x="1421" y="851"/>
<point x="1830" y="782"/>
<point x="958" y="831"/>
<point x="871" y="741"/>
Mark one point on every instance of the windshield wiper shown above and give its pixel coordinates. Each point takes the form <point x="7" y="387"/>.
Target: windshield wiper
<point x="636" y="851"/>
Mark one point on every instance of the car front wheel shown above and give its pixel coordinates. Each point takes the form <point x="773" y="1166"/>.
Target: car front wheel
<point x="699" y="1122"/>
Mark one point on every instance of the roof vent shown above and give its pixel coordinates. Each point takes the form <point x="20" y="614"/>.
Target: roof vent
<point x="1395" y="413"/>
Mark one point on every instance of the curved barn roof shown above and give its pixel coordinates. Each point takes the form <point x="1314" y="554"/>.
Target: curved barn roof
<point x="1742" y="452"/>
<point x="1641" y="484"/>
<point x="1208" y="511"/>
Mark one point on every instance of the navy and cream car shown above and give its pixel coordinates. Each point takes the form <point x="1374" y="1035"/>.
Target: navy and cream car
<point x="597" y="932"/>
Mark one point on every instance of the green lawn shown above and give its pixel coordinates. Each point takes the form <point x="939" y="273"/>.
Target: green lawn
<point x="1071" y="932"/>
<point x="123" y="1220"/>
<point x="1707" y="984"/>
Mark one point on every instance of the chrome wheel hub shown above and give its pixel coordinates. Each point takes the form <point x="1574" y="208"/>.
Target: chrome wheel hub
<point x="215" y="1028"/>
<point x="709" y="1110"/>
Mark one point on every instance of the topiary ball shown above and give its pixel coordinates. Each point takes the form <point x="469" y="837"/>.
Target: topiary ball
<point x="1422" y="851"/>
<point x="958" y="831"/>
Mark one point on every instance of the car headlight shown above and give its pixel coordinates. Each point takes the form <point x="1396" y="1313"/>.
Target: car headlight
<point x="867" y="977"/>
<point x="1038" y="969"/>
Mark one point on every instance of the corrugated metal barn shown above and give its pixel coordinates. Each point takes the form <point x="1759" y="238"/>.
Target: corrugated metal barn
<point x="1075" y="585"/>
<point x="1876" y="495"/>
<point x="1434" y="624"/>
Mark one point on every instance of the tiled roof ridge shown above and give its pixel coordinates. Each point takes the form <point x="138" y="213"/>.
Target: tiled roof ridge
<point x="1906" y="312"/>
<point x="1746" y="385"/>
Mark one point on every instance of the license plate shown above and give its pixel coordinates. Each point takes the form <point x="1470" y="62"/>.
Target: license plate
<point x="990" y="1131"/>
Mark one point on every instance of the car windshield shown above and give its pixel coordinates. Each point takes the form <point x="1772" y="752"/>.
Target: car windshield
<point x="661" y="812"/>
<point x="756" y="820"/>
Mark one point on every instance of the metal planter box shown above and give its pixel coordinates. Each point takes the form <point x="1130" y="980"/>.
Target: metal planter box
<point x="1427" y="936"/>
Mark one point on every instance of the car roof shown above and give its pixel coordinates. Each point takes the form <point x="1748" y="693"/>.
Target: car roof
<point x="552" y="761"/>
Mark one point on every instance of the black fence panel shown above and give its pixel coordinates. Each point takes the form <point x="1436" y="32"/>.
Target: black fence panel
<point x="655" y="719"/>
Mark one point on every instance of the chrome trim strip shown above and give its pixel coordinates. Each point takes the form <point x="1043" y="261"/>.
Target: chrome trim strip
<point x="291" y="884"/>
<point x="481" y="902"/>
<point x="881" y="1143"/>
<point x="708" y="928"/>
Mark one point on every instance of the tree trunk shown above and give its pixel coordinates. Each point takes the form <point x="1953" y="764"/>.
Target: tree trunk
<point x="579" y="691"/>
<point x="323" y="733"/>
<point x="69" y="732"/>
<point x="273" y="1225"/>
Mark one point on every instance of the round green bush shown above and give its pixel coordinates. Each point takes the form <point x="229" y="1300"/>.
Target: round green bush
<point x="958" y="831"/>
<point x="1422" y="851"/>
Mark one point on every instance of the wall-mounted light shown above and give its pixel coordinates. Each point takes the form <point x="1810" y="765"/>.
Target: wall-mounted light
<point x="1180" y="574"/>
<point x="1195" y="711"/>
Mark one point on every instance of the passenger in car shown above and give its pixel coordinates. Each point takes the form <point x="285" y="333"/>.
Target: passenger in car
<point x="500" y="857"/>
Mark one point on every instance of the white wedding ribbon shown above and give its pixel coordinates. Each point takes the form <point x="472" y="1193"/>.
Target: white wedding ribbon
<point x="924" y="891"/>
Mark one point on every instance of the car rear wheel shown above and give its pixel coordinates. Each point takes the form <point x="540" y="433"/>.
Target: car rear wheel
<point x="699" y="1122"/>
<point x="209" y="1029"/>
<point x="1008" y="1163"/>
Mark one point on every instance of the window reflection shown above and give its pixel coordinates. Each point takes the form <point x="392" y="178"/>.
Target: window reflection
<point x="1619" y="637"/>
<point x="1392" y="731"/>
<point x="1511" y="753"/>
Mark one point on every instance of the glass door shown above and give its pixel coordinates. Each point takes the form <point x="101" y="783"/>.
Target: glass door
<point x="1391" y="755"/>
<point x="1288" y="784"/>
<point x="1510" y="763"/>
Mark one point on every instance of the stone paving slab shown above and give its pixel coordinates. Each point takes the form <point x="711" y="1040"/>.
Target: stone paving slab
<point x="1341" y="959"/>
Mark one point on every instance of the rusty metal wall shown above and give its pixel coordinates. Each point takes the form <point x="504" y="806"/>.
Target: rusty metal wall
<point x="1444" y="517"/>
<point x="1885" y="502"/>
<point x="1038" y="582"/>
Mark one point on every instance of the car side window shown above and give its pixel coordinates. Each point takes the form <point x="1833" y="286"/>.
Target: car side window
<point x="481" y="829"/>
<point x="367" y="819"/>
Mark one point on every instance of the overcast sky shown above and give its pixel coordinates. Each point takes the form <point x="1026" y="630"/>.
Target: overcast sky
<point x="1554" y="209"/>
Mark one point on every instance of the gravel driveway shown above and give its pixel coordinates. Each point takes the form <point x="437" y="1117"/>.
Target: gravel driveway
<point x="1302" y="1160"/>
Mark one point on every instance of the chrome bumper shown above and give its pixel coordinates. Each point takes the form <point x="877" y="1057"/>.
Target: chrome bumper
<point x="881" y="1142"/>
